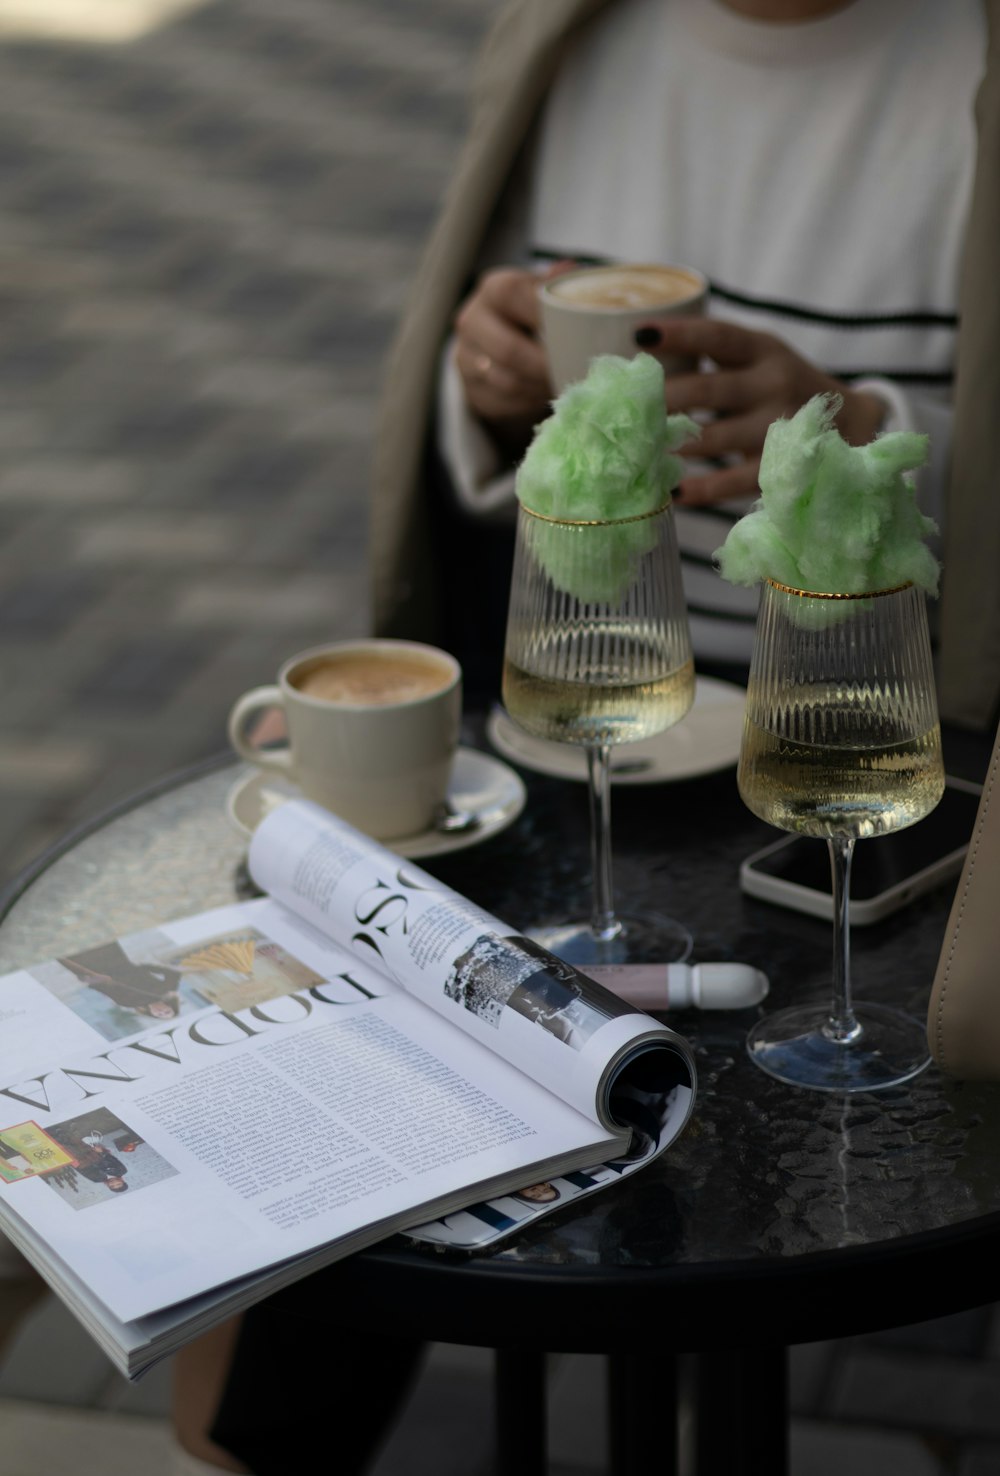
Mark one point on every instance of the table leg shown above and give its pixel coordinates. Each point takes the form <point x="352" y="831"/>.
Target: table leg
<point x="642" y="1415"/>
<point x="521" y="1436"/>
<point x="743" y="1412"/>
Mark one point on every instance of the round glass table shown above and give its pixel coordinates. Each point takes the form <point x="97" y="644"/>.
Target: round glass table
<point x="780" y="1216"/>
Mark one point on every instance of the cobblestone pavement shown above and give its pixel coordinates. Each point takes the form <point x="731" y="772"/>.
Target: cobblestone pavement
<point x="206" y="232"/>
<point x="205" y="237"/>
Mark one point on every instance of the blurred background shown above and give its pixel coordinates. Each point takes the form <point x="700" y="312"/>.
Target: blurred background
<point x="210" y="212"/>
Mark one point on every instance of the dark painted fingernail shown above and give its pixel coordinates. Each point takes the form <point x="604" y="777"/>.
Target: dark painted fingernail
<point x="648" y="337"/>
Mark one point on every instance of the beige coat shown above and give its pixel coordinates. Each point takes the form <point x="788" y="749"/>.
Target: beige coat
<point x="516" y="67"/>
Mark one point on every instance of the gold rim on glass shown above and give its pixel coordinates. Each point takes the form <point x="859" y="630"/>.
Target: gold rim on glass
<point x="816" y="594"/>
<point x="594" y="522"/>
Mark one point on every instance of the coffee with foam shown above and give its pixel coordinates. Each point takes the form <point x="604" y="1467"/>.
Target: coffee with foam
<point x="368" y="678"/>
<point x="630" y="287"/>
<point x="373" y="725"/>
<point x="597" y="310"/>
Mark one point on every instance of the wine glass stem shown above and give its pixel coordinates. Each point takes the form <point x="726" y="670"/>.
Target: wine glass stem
<point x="604" y="925"/>
<point x="843" y="1025"/>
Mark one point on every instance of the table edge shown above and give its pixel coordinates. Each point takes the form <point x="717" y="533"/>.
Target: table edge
<point x="25" y="878"/>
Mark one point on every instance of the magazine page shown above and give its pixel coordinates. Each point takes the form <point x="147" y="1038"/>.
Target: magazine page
<point x="234" y="1090"/>
<point x="480" y="1225"/>
<point x="133" y="1347"/>
<point x="652" y="1117"/>
<point x="600" y="1054"/>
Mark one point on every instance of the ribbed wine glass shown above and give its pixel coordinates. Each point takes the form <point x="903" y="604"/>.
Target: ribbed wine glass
<point x="597" y="654"/>
<point x="841" y="740"/>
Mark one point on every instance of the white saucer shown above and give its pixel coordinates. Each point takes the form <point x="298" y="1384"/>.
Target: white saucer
<point x="707" y="739"/>
<point x="480" y="784"/>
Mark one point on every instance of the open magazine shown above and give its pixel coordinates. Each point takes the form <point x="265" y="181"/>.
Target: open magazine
<point x="195" y="1116"/>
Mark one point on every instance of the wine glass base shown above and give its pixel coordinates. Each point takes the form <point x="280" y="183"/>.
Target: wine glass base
<point x="642" y="938"/>
<point x="795" y="1046"/>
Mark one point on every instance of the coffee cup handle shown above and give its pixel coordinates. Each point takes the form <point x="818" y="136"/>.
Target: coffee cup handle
<point x="259" y="699"/>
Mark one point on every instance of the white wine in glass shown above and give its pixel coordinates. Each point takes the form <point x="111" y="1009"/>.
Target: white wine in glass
<point x="603" y="704"/>
<point x="598" y="654"/>
<point x="841" y="741"/>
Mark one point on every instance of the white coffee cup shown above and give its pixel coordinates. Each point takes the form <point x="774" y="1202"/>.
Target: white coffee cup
<point x="596" y="310"/>
<point x="372" y="730"/>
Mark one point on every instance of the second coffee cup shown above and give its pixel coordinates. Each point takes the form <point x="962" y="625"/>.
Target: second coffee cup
<point x="596" y="310"/>
<point x="373" y="726"/>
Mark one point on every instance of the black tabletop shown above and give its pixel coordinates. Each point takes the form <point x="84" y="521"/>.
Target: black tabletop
<point x="780" y="1215"/>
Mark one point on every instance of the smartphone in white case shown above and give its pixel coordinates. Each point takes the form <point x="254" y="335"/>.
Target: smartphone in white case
<point x="887" y="872"/>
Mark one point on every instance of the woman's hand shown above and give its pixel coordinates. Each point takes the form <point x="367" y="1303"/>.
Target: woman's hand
<point x="754" y="379"/>
<point x="504" y="367"/>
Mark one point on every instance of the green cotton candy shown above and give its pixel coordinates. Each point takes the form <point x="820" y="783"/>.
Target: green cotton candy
<point x="833" y="518"/>
<point x="604" y="454"/>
